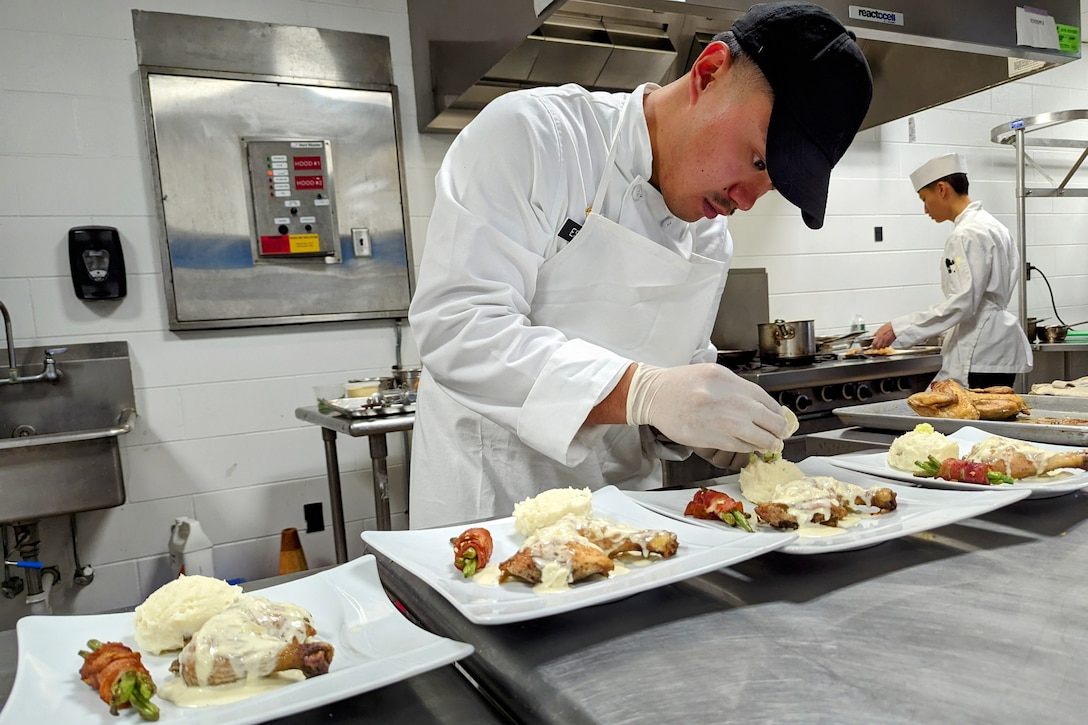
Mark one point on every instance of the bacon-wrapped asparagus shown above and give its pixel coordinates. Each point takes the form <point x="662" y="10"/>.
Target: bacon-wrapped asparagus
<point x="707" y="504"/>
<point x="957" y="469"/>
<point x="119" y="676"/>
<point x="472" y="550"/>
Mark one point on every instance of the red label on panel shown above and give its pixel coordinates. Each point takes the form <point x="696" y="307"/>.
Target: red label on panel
<point x="307" y="163"/>
<point x="280" y="244"/>
<point x="309" y="182"/>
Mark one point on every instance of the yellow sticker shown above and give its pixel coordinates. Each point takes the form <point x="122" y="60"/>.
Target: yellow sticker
<point x="301" y="243"/>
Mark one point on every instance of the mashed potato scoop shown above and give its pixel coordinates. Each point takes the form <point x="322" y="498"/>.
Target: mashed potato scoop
<point x="919" y="445"/>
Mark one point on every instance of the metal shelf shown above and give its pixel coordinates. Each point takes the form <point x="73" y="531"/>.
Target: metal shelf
<point x="1016" y="134"/>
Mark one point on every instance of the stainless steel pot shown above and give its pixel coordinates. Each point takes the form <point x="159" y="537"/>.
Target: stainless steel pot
<point x="786" y="342"/>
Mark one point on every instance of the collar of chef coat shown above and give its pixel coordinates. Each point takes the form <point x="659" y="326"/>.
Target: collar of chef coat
<point x="967" y="211"/>
<point x="634" y="158"/>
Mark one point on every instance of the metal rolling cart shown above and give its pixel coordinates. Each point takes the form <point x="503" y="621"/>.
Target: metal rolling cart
<point x="1016" y="133"/>
<point x="375" y="429"/>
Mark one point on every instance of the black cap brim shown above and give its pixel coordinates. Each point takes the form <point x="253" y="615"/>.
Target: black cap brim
<point x="798" y="168"/>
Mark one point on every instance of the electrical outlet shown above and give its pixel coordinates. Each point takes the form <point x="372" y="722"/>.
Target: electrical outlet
<point x="360" y="240"/>
<point x="315" y="517"/>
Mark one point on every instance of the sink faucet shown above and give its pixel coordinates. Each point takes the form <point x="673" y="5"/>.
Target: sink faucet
<point x="49" y="371"/>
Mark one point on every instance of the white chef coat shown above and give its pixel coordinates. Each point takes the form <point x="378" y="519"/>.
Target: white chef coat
<point x="502" y="398"/>
<point x="979" y="272"/>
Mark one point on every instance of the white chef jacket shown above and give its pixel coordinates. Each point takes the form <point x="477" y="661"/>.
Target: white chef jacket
<point x="501" y="401"/>
<point x="979" y="272"/>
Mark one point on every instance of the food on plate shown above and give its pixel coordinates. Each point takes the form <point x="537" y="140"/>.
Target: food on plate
<point x="119" y="676"/>
<point x="252" y="638"/>
<point x="715" y="506"/>
<point x="949" y="399"/>
<point x="576" y="547"/>
<point x="879" y="351"/>
<point x="472" y="550"/>
<point x="958" y="469"/>
<point x="918" y="445"/>
<point x="1021" y="459"/>
<point x="176" y="610"/>
<point x="821" y="500"/>
<point x="549" y="506"/>
<point x="762" y="475"/>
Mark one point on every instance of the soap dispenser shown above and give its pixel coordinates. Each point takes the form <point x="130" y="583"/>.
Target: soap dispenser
<point x="97" y="263"/>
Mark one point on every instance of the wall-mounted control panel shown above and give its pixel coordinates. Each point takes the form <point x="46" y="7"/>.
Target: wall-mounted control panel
<point x="294" y="209"/>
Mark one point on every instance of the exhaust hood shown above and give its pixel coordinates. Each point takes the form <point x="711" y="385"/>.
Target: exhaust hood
<point x="466" y="53"/>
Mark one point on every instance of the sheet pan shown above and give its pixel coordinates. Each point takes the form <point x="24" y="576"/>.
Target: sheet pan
<point x="896" y="415"/>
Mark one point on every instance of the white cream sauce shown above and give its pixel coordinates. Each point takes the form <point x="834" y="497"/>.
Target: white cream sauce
<point x="249" y="635"/>
<point x="807" y="497"/>
<point x="997" y="450"/>
<point x="182" y="695"/>
<point x="488" y="576"/>
<point x="550" y="546"/>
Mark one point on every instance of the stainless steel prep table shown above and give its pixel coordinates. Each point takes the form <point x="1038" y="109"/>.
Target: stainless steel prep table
<point x="977" y="622"/>
<point x="374" y="429"/>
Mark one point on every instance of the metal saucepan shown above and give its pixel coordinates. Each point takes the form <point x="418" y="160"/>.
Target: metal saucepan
<point x="1057" y="333"/>
<point x="787" y="342"/>
<point x="827" y="344"/>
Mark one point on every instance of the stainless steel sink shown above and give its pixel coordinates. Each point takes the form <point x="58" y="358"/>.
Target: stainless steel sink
<point x="59" y="451"/>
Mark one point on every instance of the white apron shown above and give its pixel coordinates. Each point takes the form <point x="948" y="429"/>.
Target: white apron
<point x="610" y="286"/>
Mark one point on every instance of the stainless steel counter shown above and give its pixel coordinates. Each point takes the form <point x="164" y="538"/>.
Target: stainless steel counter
<point x="977" y="622"/>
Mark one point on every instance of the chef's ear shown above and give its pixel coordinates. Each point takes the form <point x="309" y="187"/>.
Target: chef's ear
<point x="711" y="63"/>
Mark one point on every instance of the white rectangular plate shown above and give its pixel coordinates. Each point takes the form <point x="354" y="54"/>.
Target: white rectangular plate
<point x="375" y="646"/>
<point x="919" y="509"/>
<point x="876" y="464"/>
<point x="427" y="554"/>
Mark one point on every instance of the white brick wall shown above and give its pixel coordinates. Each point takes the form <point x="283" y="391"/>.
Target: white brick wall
<point x="217" y="438"/>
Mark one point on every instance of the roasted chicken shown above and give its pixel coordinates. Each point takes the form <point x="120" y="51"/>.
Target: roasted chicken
<point x="1021" y="459"/>
<point x="252" y="638"/>
<point x="821" y="500"/>
<point x="578" y="547"/>
<point x="949" y="399"/>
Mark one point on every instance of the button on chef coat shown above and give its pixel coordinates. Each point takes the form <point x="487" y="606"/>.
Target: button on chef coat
<point x="979" y="272"/>
<point x="501" y="401"/>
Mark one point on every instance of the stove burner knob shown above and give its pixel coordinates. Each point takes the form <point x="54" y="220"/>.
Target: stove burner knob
<point x="903" y="383"/>
<point x="865" y="391"/>
<point x="887" y="385"/>
<point x="849" y="390"/>
<point x="795" y="401"/>
<point x="827" y="393"/>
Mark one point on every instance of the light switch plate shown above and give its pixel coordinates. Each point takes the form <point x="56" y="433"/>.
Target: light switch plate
<point x="360" y="240"/>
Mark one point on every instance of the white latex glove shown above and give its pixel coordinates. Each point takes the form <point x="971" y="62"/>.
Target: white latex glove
<point x="734" y="460"/>
<point x="723" y="459"/>
<point x="706" y="406"/>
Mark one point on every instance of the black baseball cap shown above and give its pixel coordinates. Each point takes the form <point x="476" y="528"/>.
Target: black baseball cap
<point x="822" y="89"/>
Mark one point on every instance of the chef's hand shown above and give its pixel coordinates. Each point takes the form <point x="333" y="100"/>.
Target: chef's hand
<point x="706" y="406"/>
<point x="884" y="336"/>
<point x="723" y="459"/>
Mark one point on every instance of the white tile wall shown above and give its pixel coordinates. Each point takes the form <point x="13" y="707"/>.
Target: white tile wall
<point x="216" y="436"/>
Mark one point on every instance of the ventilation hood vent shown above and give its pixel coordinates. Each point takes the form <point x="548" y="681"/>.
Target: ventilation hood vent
<point x="466" y="53"/>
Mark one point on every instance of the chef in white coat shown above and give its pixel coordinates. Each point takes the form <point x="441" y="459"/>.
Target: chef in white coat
<point x="984" y="344"/>
<point x="576" y="253"/>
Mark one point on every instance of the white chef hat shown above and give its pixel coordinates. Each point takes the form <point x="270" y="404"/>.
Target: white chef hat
<point x="938" y="168"/>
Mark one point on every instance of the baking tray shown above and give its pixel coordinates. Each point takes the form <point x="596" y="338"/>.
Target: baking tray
<point x="897" y="415"/>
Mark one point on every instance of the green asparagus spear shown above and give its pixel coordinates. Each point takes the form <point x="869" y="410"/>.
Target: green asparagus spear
<point x="468" y="562"/>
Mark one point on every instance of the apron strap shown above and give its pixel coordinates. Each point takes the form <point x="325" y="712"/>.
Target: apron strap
<point x="610" y="162"/>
